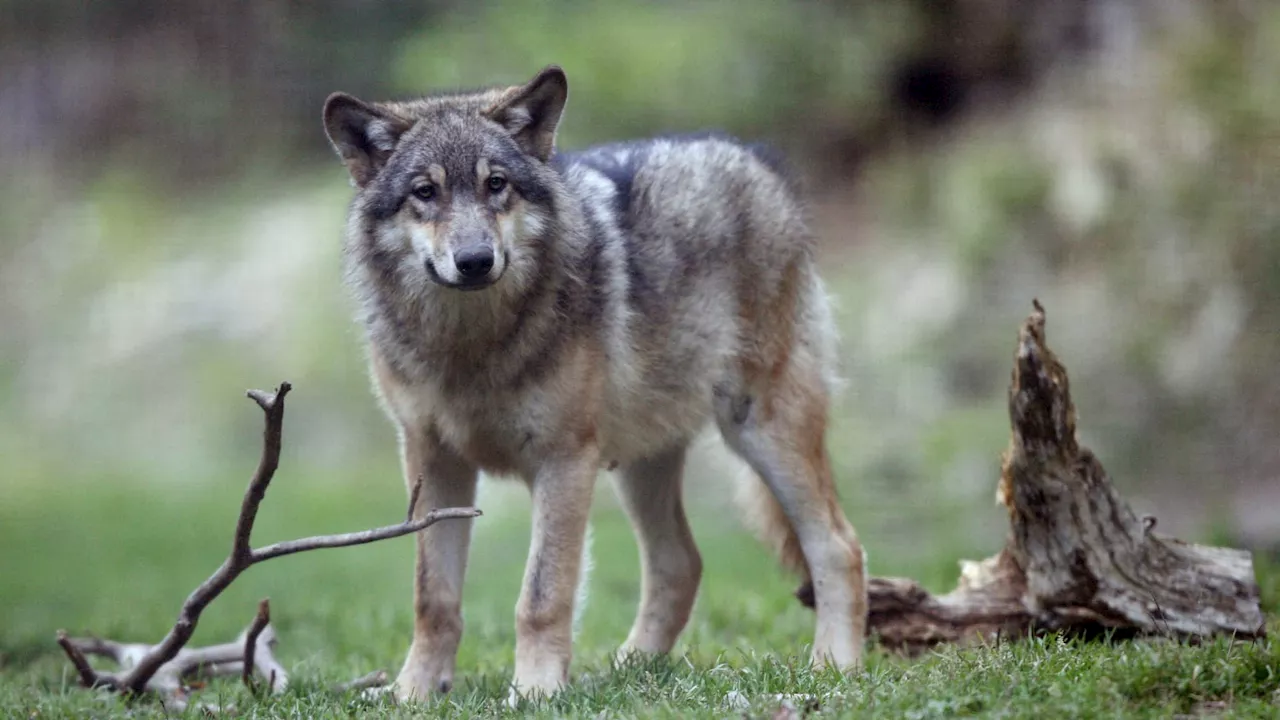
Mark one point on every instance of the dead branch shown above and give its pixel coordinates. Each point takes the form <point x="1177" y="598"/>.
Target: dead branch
<point x="1077" y="559"/>
<point x="375" y="679"/>
<point x="264" y="662"/>
<point x="169" y="683"/>
<point x="161" y="669"/>
<point x="251" y="643"/>
<point x="88" y="677"/>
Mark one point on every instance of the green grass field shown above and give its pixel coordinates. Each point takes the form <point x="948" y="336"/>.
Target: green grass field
<point x="117" y="560"/>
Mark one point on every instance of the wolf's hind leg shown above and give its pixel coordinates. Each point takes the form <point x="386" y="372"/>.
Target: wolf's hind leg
<point x="671" y="567"/>
<point x="447" y="481"/>
<point x="779" y="431"/>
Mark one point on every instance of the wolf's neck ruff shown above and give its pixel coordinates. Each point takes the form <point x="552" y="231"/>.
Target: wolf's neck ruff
<point x="498" y="336"/>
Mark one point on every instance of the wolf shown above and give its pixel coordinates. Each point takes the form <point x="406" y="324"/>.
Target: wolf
<point x="546" y="315"/>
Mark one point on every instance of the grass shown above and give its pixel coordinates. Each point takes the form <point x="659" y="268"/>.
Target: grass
<point x="117" y="559"/>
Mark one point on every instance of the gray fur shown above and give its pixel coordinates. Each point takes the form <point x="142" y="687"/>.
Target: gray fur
<point x="658" y="258"/>
<point x="656" y="285"/>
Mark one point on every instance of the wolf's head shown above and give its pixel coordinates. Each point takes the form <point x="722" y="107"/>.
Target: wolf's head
<point x="452" y="189"/>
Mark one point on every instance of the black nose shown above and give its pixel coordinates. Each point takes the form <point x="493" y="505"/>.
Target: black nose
<point x="474" y="262"/>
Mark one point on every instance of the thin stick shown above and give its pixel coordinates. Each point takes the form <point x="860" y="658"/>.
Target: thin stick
<point x="273" y="407"/>
<point x="413" y="498"/>
<point x="374" y="679"/>
<point x="99" y="646"/>
<point x="251" y="642"/>
<point x="289" y="547"/>
<point x="88" y="676"/>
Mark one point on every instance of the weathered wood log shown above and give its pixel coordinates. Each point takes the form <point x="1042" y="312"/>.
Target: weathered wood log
<point x="1077" y="559"/>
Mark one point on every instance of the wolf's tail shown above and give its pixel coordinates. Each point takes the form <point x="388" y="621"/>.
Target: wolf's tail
<point x="766" y="519"/>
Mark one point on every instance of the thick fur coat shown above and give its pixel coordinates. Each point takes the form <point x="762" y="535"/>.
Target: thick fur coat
<point x="545" y="314"/>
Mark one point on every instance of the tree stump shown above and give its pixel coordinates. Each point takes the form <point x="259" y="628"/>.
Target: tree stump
<point x="1077" y="558"/>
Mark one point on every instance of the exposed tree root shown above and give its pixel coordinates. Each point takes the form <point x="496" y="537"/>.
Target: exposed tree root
<point x="1077" y="560"/>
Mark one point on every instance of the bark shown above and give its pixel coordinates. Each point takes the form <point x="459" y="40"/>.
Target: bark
<point x="1077" y="558"/>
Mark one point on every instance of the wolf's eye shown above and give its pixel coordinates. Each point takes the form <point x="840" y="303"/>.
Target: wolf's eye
<point x="425" y="191"/>
<point x="496" y="183"/>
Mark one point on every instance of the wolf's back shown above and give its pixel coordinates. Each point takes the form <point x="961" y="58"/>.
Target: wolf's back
<point x="707" y="222"/>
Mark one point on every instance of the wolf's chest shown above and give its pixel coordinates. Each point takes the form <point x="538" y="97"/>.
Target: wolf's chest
<point x="496" y="438"/>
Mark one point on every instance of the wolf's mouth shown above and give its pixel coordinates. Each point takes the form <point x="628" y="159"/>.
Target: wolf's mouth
<point x="466" y="285"/>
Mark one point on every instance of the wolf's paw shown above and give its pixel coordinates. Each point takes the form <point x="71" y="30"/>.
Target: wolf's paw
<point x="515" y="697"/>
<point x="629" y="653"/>
<point x="419" y="681"/>
<point x="533" y="689"/>
<point x="847" y="658"/>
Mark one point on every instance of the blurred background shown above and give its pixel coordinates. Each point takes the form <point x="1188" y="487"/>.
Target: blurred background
<point x="171" y="214"/>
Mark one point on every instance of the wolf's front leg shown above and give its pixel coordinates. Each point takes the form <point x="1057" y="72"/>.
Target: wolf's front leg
<point x="447" y="481"/>
<point x="561" y="490"/>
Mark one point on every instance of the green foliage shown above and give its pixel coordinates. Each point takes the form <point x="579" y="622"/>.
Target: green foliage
<point x="666" y="66"/>
<point x="988" y="193"/>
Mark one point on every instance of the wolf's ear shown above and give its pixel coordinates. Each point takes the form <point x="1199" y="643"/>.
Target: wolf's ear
<point x="531" y="113"/>
<point x="363" y="135"/>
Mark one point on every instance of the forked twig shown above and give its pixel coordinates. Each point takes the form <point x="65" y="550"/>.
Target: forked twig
<point x="161" y="668"/>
